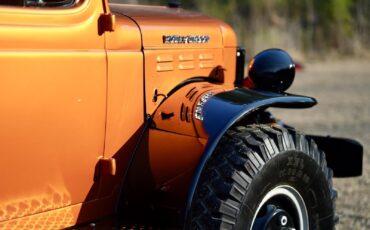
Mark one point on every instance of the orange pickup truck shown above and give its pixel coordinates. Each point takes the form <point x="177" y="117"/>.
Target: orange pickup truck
<point x="143" y="114"/>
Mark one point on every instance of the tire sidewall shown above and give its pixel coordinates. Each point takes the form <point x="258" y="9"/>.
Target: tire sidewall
<point x="304" y="174"/>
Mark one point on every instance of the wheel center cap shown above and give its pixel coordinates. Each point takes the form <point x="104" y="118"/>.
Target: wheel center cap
<point x="274" y="218"/>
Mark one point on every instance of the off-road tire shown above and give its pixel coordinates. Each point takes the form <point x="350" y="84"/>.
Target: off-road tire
<point x="252" y="160"/>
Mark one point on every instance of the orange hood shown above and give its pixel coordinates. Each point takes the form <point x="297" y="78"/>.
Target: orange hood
<point x="157" y="22"/>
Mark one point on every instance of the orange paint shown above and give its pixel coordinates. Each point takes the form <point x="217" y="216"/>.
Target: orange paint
<point x="70" y="97"/>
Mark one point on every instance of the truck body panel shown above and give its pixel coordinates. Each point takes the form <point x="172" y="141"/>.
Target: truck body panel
<point x="158" y="21"/>
<point x="106" y="106"/>
<point x="168" y="64"/>
<point x="53" y="108"/>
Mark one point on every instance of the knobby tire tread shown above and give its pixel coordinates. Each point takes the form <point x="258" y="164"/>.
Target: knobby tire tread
<point x="240" y="155"/>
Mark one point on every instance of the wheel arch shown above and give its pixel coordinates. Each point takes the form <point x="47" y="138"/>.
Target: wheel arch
<point x="235" y="105"/>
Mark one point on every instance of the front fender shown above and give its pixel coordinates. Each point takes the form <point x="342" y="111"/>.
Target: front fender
<point x="224" y="109"/>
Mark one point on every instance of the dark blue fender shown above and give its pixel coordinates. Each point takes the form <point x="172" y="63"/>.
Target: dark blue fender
<point x="222" y="110"/>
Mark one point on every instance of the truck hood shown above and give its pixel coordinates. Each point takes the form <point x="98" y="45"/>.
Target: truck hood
<point x="188" y="29"/>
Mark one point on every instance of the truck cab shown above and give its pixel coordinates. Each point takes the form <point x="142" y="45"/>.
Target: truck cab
<point x="105" y="107"/>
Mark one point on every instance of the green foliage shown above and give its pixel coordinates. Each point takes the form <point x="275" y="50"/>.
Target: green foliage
<point x="302" y="26"/>
<point x="224" y="9"/>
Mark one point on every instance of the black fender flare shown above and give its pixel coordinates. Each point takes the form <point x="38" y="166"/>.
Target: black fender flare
<point x="344" y="156"/>
<point x="224" y="109"/>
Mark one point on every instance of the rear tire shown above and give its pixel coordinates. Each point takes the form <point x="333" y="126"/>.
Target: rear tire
<point x="262" y="177"/>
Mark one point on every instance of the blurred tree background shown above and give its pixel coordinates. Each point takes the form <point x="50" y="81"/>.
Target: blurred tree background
<point x="305" y="28"/>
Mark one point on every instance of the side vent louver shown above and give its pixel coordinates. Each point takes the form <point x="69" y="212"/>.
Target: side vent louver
<point x="182" y="112"/>
<point x="185" y="110"/>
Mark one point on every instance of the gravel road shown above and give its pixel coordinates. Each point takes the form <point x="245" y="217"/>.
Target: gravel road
<point x="342" y="89"/>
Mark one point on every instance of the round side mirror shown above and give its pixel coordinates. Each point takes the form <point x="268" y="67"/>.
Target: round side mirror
<point x="272" y="70"/>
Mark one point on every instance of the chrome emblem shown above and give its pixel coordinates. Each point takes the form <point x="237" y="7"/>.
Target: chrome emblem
<point x="198" y="114"/>
<point x="176" y="39"/>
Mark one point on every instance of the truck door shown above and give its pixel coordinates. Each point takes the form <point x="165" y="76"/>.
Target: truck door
<point x="52" y="104"/>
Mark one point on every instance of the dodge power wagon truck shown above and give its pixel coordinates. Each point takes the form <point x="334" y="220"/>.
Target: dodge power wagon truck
<point x="143" y="114"/>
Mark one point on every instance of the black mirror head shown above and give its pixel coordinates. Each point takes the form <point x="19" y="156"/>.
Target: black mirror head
<point x="271" y="70"/>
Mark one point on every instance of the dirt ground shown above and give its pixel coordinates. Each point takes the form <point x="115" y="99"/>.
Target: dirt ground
<point x="342" y="89"/>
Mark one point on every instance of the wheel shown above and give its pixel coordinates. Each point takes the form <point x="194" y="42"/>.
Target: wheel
<point x="264" y="177"/>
